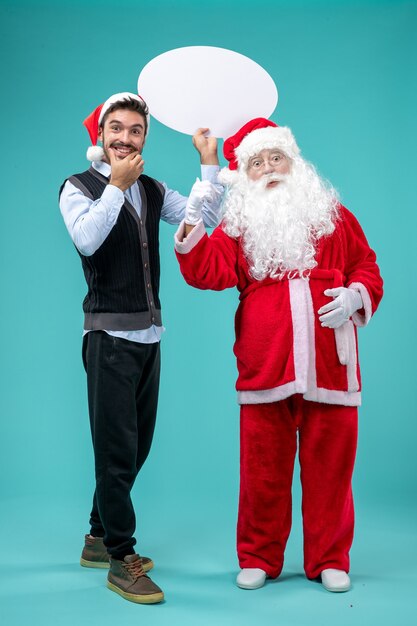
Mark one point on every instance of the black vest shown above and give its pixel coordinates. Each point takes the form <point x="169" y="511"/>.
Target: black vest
<point x="123" y="274"/>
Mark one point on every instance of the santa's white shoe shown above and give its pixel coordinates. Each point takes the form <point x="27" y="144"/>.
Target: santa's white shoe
<point x="251" y="578"/>
<point x="335" y="580"/>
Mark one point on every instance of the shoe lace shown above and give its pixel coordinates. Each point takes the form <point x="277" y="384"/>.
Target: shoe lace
<point x="135" y="568"/>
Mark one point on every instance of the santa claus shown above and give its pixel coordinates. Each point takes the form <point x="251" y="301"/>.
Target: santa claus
<point x="307" y="279"/>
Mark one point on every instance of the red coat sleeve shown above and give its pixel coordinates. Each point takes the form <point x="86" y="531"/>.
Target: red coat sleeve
<point x="211" y="263"/>
<point x="360" y="262"/>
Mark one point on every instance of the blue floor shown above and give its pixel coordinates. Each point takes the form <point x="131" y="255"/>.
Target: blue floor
<point x="43" y="584"/>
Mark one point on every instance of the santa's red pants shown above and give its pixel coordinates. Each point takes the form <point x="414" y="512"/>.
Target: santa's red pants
<point x="327" y="447"/>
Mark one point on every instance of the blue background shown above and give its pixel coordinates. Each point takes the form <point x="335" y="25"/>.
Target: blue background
<point x="345" y="71"/>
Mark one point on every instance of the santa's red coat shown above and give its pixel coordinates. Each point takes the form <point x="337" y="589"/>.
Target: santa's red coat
<point x="281" y="347"/>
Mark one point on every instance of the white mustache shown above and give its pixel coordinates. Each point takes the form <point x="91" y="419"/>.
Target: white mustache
<point x="273" y="178"/>
<point x="263" y="182"/>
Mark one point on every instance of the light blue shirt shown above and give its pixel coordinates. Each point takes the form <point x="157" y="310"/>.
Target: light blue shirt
<point x="89" y="222"/>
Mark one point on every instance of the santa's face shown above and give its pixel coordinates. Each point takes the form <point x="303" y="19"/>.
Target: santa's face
<point x="268" y="162"/>
<point x="279" y="226"/>
<point x="123" y="133"/>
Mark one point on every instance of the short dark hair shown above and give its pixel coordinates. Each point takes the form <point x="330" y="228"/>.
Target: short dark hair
<point x="131" y="104"/>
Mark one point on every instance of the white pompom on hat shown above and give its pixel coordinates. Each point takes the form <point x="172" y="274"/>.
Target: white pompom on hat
<point x="93" y="121"/>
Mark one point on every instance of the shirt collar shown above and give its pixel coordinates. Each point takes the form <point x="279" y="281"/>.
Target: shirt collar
<point x="102" y="167"/>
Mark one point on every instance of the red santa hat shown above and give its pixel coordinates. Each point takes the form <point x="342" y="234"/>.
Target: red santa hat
<point x="93" y="121"/>
<point x="257" y="135"/>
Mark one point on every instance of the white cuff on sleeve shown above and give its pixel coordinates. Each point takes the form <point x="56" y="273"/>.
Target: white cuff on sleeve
<point x="210" y="172"/>
<point x="192" y="239"/>
<point x="112" y="196"/>
<point x="358" y="318"/>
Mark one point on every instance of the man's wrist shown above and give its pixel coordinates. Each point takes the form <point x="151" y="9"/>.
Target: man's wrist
<point x="118" y="184"/>
<point x="113" y="192"/>
<point x="209" y="158"/>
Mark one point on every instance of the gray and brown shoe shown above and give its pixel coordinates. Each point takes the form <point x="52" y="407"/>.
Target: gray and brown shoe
<point x="128" y="579"/>
<point x="95" y="554"/>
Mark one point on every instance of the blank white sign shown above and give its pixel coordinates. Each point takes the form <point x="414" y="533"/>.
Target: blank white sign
<point x="203" y="86"/>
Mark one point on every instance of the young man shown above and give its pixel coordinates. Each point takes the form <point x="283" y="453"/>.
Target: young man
<point x="307" y="278"/>
<point x="112" y="213"/>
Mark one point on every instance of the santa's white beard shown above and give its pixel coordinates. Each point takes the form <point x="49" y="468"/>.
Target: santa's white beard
<point x="280" y="226"/>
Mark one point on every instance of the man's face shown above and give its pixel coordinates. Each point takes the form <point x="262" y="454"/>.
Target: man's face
<point x="268" y="162"/>
<point x="123" y="133"/>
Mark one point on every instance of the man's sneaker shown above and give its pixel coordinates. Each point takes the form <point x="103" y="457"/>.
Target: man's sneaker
<point x="128" y="579"/>
<point x="95" y="554"/>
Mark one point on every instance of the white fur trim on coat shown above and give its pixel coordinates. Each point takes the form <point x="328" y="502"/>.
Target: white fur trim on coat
<point x="358" y="318"/>
<point x="304" y="347"/>
<point x="183" y="244"/>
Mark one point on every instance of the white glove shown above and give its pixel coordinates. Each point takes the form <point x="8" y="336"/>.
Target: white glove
<point x="201" y="191"/>
<point x="338" y="311"/>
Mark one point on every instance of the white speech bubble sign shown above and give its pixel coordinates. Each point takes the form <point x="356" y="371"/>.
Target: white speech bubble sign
<point x="204" y="86"/>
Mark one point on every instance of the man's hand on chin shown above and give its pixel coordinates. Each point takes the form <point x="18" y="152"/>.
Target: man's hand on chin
<point x="126" y="171"/>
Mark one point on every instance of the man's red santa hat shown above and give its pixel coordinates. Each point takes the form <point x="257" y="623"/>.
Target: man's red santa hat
<point x="93" y="121"/>
<point x="257" y="135"/>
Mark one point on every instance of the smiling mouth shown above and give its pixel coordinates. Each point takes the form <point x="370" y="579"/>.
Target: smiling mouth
<point x="122" y="150"/>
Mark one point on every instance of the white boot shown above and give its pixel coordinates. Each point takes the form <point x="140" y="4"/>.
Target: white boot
<point x="251" y="578"/>
<point x="335" y="580"/>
